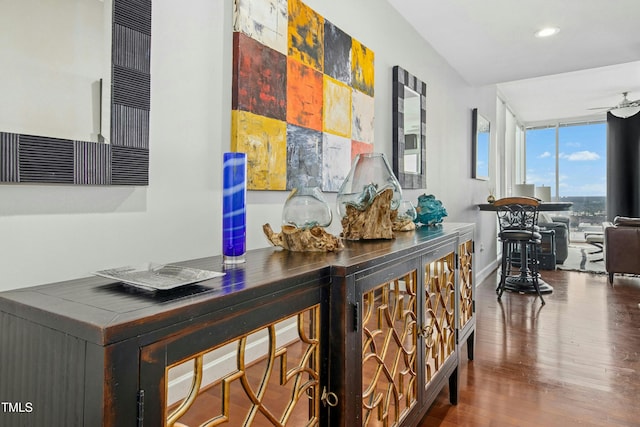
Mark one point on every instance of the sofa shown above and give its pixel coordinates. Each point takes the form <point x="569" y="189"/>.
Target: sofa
<point x="622" y="246"/>
<point x="561" y="227"/>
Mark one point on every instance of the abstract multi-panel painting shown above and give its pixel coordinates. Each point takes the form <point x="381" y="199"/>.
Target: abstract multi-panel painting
<point x="303" y="103"/>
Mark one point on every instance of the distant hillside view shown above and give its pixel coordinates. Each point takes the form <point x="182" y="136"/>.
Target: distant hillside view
<point x="587" y="213"/>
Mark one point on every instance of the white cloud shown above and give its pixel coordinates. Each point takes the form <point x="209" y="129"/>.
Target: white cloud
<point x="580" y="156"/>
<point x="544" y="155"/>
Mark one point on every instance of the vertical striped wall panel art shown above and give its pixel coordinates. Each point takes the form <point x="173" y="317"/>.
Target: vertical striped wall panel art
<point x="9" y="159"/>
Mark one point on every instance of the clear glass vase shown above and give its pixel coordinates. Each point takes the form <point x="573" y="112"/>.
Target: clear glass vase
<point x="407" y="211"/>
<point x="369" y="176"/>
<point x="305" y="208"/>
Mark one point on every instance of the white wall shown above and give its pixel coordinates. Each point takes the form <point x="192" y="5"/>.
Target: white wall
<point x="54" y="233"/>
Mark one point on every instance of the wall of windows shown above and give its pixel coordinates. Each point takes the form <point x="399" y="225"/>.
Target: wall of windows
<point x="571" y="159"/>
<point x="540" y="158"/>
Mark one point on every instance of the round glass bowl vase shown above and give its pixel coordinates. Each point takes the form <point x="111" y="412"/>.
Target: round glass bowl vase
<point x="406" y="211"/>
<point x="305" y="208"/>
<point x="369" y="176"/>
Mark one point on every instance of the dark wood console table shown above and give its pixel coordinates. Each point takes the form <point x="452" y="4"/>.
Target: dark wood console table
<point x="327" y="339"/>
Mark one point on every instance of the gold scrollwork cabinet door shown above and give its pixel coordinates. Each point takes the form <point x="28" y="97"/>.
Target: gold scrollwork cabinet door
<point x="438" y="329"/>
<point x="389" y="349"/>
<point x="407" y="335"/>
<point x="241" y="371"/>
<point x="466" y="290"/>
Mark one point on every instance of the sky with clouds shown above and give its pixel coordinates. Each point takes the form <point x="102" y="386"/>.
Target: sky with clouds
<point x="581" y="159"/>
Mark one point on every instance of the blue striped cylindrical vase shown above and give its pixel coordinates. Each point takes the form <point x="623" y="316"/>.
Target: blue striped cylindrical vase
<point x="234" y="214"/>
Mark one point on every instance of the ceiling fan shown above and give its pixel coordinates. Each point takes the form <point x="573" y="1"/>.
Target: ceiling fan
<point x="624" y="109"/>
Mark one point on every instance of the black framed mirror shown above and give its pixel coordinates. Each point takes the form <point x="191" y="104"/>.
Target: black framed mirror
<point x="124" y="160"/>
<point x="409" y="123"/>
<point x="480" y="145"/>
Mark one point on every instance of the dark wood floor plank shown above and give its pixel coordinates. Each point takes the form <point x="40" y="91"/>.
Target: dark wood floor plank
<point x="574" y="361"/>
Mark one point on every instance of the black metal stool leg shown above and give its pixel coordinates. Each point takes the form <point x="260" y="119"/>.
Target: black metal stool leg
<point x="533" y="249"/>
<point x="506" y="254"/>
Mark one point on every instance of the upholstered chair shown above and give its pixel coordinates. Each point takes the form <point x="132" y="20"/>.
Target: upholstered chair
<point x="561" y="227"/>
<point x="622" y="246"/>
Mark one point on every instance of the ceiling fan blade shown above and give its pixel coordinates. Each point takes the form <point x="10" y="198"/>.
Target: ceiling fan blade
<point x="600" y="108"/>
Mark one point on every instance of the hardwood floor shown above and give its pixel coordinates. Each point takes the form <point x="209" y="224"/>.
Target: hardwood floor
<point x="574" y="361"/>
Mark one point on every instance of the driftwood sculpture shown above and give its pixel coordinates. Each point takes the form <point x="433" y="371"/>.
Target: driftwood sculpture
<point x="374" y="222"/>
<point x="314" y="239"/>
<point x="406" y="224"/>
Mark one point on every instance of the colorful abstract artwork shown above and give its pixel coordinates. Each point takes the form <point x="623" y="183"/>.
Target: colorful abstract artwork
<point x="362" y="116"/>
<point x="337" y="60"/>
<point x="265" y="21"/>
<point x="265" y="141"/>
<point x="260" y="74"/>
<point x="337" y="108"/>
<point x="303" y="96"/>
<point x="306" y="35"/>
<point x="362" y="68"/>
<point x="336" y="161"/>
<point x="304" y="156"/>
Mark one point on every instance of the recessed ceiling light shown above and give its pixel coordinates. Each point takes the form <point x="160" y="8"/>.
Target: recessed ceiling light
<point x="547" y="32"/>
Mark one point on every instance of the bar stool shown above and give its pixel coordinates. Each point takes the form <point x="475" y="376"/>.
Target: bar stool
<point x="518" y="221"/>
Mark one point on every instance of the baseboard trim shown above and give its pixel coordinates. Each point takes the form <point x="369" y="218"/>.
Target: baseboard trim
<point x="483" y="274"/>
